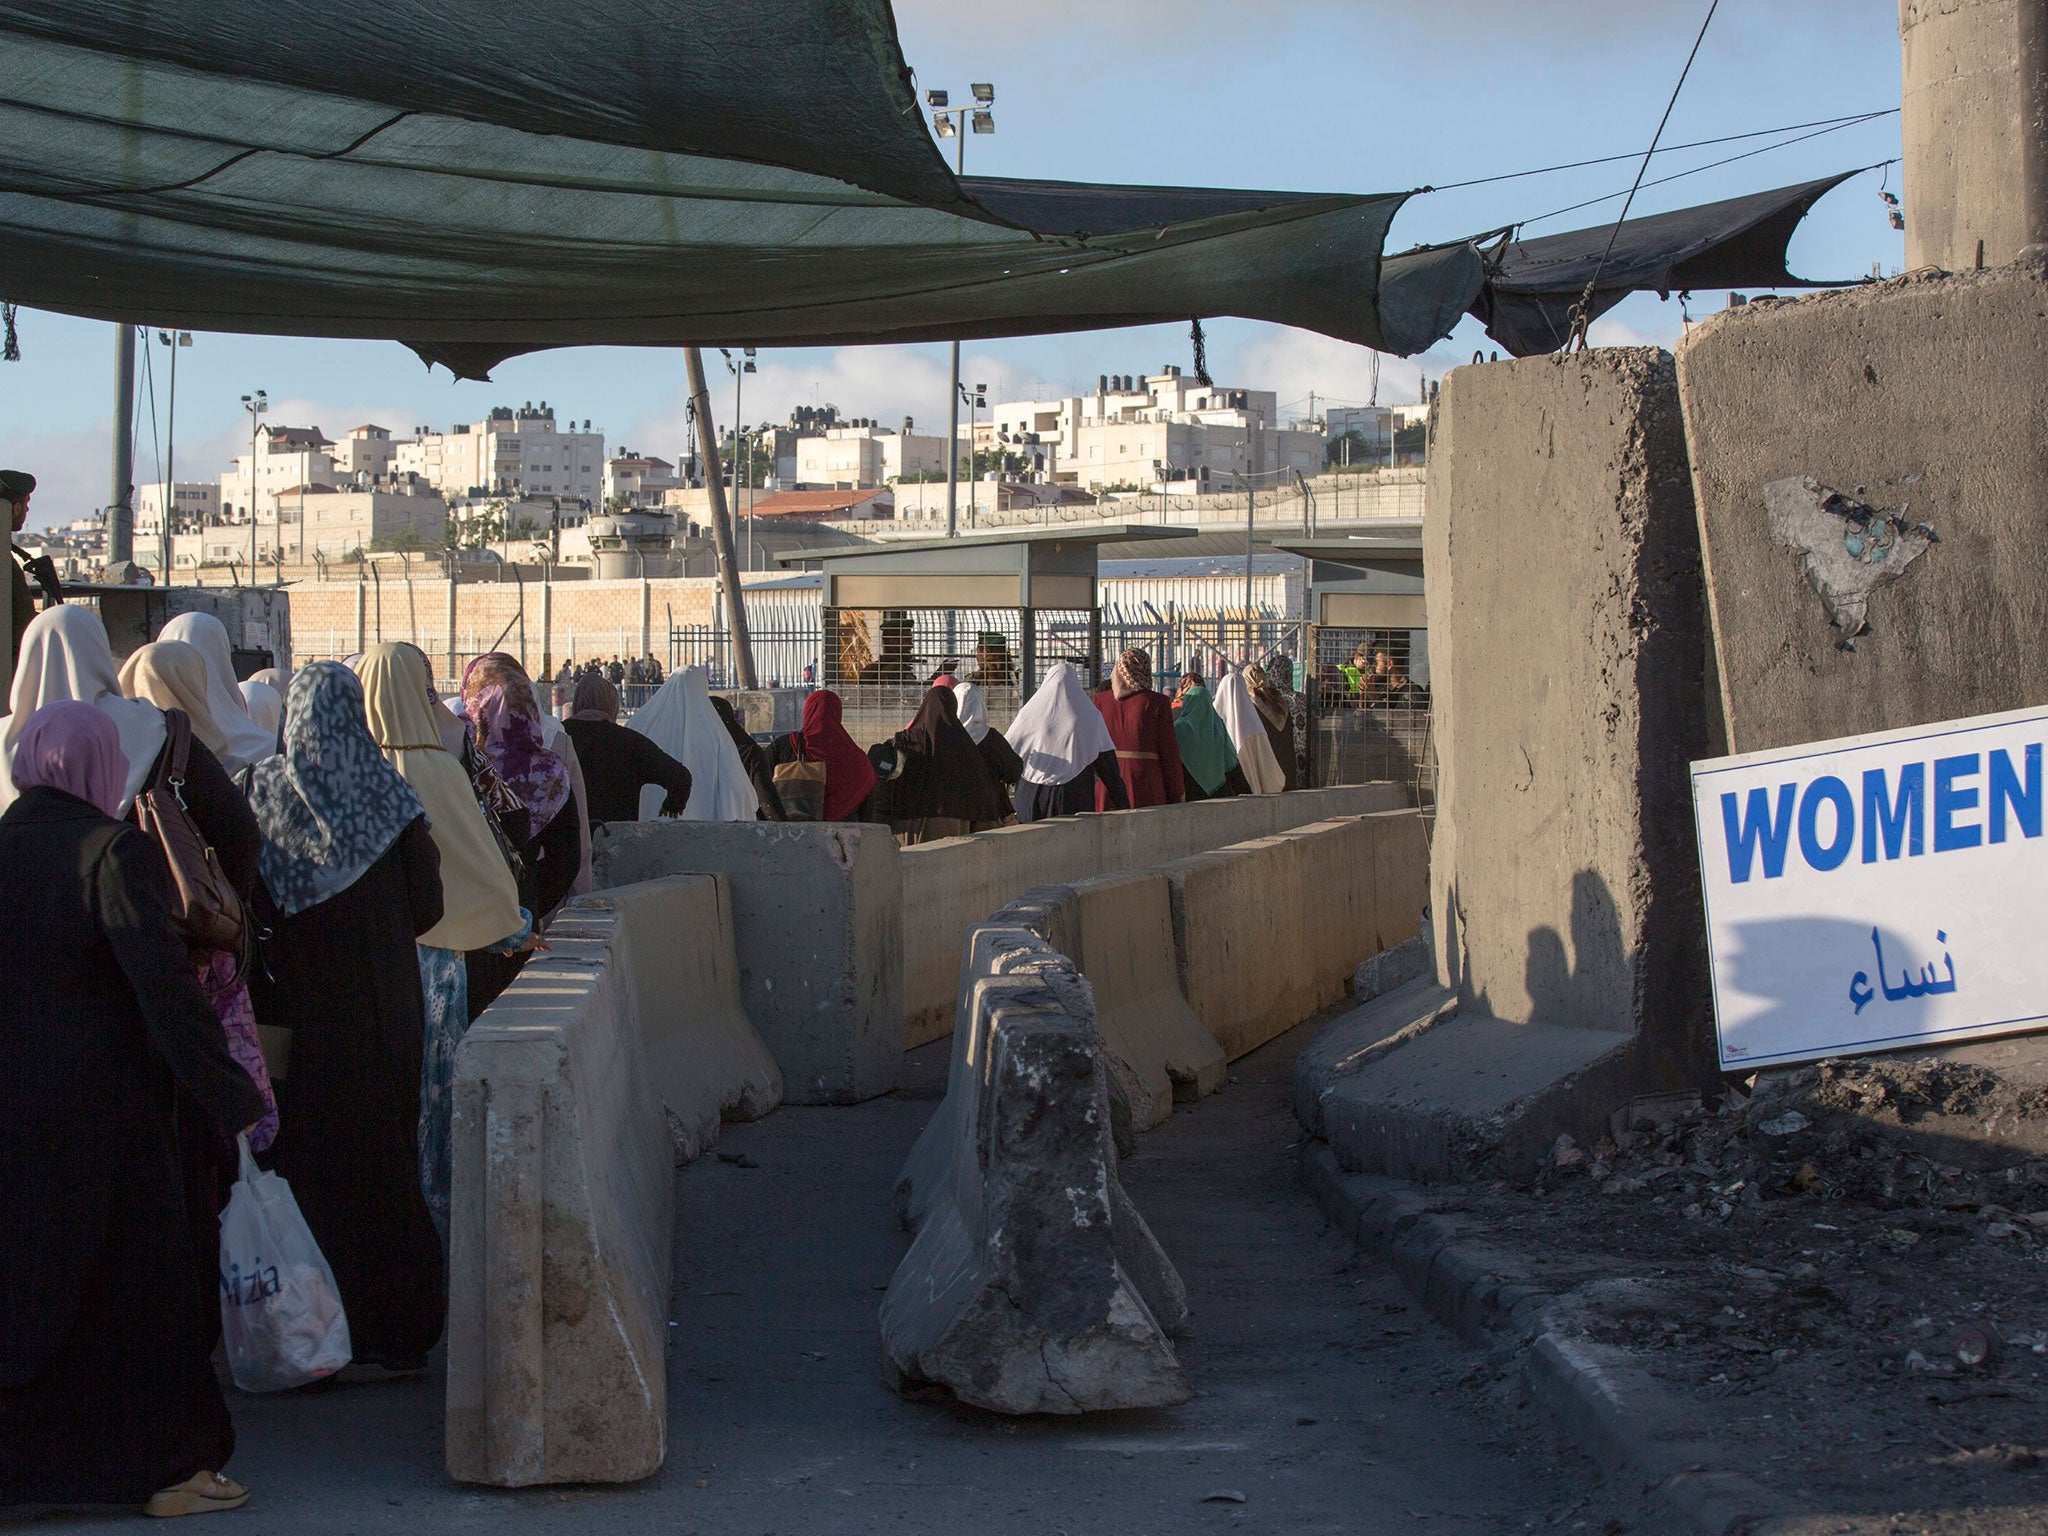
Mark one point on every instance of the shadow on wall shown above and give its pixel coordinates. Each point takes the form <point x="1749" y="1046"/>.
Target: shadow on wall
<point x="1593" y="986"/>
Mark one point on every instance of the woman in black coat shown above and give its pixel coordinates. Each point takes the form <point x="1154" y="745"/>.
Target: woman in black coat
<point x="107" y="1391"/>
<point x="354" y="878"/>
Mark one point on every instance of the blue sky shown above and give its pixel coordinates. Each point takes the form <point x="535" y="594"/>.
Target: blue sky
<point x="1348" y="95"/>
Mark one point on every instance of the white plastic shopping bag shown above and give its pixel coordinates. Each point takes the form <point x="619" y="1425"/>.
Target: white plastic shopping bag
<point x="280" y="1311"/>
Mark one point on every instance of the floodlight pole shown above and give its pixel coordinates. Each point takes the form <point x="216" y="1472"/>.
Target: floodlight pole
<point x="953" y="447"/>
<point x="959" y="118"/>
<point x="721" y="523"/>
<point x="120" y="507"/>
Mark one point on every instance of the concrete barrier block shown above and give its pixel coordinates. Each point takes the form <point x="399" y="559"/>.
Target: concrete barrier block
<point x="563" y="1222"/>
<point x="1917" y="398"/>
<point x="1151" y="1039"/>
<point x="818" y="919"/>
<point x="1247" y="929"/>
<point x="1015" y="1294"/>
<point x="1568" y="676"/>
<point x="947" y="887"/>
<point x="706" y="1060"/>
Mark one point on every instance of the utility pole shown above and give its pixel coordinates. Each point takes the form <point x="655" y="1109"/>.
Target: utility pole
<point x="721" y="522"/>
<point x="120" y="509"/>
<point x="951" y="123"/>
<point x="1251" y="512"/>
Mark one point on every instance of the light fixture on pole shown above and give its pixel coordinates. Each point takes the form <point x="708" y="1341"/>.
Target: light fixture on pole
<point x="946" y="124"/>
<point x="173" y="340"/>
<point x="739" y="367"/>
<point x="977" y="396"/>
<point x="255" y="405"/>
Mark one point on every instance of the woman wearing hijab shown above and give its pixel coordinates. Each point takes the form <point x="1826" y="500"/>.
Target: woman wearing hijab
<point x="620" y="765"/>
<point x="1240" y="718"/>
<point x="1005" y="768"/>
<point x="246" y="741"/>
<point x="942" y="788"/>
<point x="64" y="655"/>
<point x="352" y="873"/>
<point x="753" y="759"/>
<point x="107" y="1388"/>
<point x="541" y="815"/>
<point x="680" y="722"/>
<point x="1140" y="724"/>
<point x="479" y="900"/>
<point x="171" y="675"/>
<point x="1208" y="758"/>
<point x="849" y="777"/>
<point x="1274" y="700"/>
<point x="265" y="703"/>
<point x="1066" y="750"/>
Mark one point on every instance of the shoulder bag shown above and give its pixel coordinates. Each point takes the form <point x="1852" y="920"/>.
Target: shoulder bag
<point x="205" y="908"/>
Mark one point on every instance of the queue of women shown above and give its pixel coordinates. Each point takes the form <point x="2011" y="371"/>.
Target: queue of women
<point x="372" y="868"/>
<point x="355" y="872"/>
<point x="948" y="772"/>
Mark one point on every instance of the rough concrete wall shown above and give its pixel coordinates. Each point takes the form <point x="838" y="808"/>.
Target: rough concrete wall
<point x="1920" y="398"/>
<point x="585" y="618"/>
<point x="1567" y="643"/>
<point x="1961" y="111"/>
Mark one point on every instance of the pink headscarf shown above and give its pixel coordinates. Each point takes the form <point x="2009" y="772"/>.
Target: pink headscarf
<point x="497" y="696"/>
<point x="73" y="747"/>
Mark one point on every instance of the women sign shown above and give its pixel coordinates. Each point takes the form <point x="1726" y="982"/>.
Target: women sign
<point x="1877" y="892"/>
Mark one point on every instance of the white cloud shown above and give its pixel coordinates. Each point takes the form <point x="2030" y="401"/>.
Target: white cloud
<point x="1292" y="363"/>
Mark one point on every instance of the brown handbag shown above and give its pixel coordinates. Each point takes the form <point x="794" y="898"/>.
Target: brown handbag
<point x="801" y="786"/>
<point x="204" y="907"/>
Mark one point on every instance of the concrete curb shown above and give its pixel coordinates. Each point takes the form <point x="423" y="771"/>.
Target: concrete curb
<point x="1611" y="1408"/>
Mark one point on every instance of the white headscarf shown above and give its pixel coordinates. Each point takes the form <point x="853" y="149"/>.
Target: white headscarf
<point x="679" y="719"/>
<point x="266" y="704"/>
<point x="1240" y="718"/>
<point x="247" y="742"/>
<point x="1059" y="731"/>
<point x="65" y="655"/>
<point x="973" y="710"/>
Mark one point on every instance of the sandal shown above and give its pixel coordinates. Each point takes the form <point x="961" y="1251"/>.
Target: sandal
<point x="203" y="1493"/>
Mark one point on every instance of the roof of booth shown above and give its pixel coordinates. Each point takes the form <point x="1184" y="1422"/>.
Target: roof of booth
<point x="1009" y="542"/>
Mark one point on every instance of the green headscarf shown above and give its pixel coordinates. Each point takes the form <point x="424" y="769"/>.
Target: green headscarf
<point x="1205" y="749"/>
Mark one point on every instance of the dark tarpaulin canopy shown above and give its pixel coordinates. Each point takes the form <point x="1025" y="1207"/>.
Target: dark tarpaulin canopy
<point x="485" y="179"/>
<point x="1532" y="285"/>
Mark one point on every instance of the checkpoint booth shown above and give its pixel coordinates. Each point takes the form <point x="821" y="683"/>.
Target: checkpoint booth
<point x="999" y="610"/>
<point x="1368" y="693"/>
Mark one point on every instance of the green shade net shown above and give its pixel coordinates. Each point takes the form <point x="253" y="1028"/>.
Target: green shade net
<point x="484" y="180"/>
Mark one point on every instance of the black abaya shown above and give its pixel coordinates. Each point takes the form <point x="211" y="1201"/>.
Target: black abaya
<point x="347" y="984"/>
<point x="1041" y="802"/>
<point x="107" y="1393"/>
<point x="555" y="859"/>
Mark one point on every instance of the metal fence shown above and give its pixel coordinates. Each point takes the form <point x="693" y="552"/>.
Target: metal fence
<point x="1370" y="720"/>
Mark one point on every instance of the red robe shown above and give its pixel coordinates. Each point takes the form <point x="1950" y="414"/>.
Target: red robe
<point x="1147" y="751"/>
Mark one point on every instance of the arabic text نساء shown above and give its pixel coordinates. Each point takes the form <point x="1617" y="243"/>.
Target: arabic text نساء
<point x="1861" y="992"/>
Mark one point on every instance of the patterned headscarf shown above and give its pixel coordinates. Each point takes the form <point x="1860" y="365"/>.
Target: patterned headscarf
<point x="1269" y="700"/>
<point x="497" y="696"/>
<point x="73" y="747"/>
<point x="329" y="805"/>
<point x="1133" y="673"/>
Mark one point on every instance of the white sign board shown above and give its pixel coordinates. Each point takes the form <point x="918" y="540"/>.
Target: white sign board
<point x="1877" y="892"/>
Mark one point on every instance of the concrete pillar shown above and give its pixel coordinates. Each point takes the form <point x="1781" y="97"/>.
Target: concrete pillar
<point x="646" y="611"/>
<point x="362" y="613"/>
<point x="547" y="621"/>
<point x="1975" y="127"/>
<point x="448" y="655"/>
<point x="1566" y="654"/>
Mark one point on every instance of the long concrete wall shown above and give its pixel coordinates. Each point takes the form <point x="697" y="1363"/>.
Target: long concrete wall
<point x="949" y="886"/>
<point x="568" y="1092"/>
<point x="1567" y="641"/>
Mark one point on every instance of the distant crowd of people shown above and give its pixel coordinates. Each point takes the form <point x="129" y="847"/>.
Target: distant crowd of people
<point x="636" y="671"/>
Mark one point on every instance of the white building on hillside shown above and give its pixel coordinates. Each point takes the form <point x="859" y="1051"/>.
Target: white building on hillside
<point x="637" y="478"/>
<point x="862" y="454"/>
<point x="1138" y="432"/>
<point x="518" y="453"/>
<point x="285" y="457"/>
<point x="368" y="451"/>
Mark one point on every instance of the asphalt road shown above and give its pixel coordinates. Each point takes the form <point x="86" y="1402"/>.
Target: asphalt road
<point x="1325" y="1401"/>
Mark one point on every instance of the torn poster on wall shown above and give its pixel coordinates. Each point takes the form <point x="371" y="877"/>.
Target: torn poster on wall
<point x="1848" y="549"/>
